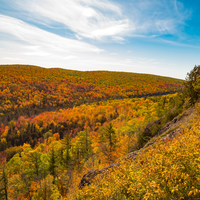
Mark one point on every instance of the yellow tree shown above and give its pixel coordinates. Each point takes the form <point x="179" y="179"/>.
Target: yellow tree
<point x="47" y="190"/>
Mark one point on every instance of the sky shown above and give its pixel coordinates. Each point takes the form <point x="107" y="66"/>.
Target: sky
<point x="159" y="37"/>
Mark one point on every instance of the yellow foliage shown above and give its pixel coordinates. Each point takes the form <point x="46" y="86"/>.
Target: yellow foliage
<point x="3" y="140"/>
<point x="5" y="132"/>
<point x="167" y="170"/>
<point x="47" y="190"/>
<point x="26" y="146"/>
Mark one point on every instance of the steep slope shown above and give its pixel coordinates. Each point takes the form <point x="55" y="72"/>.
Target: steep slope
<point x="167" y="132"/>
<point x="167" y="169"/>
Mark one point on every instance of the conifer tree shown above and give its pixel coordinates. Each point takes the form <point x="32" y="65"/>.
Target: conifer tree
<point x="52" y="164"/>
<point x="192" y="84"/>
<point x="108" y="141"/>
<point x="34" y="157"/>
<point x="3" y="183"/>
<point x="66" y="142"/>
<point x="84" y="142"/>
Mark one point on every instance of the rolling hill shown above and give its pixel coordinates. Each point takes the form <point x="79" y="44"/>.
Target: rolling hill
<point x="30" y="90"/>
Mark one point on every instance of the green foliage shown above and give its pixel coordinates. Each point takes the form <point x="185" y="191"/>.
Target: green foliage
<point x="3" y="182"/>
<point x="34" y="157"/>
<point x="142" y="139"/>
<point x="84" y="143"/>
<point x="48" y="134"/>
<point x="155" y="128"/>
<point x="66" y="147"/>
<point x="192" y="84"/>
<point x="108" y="141"/>
<point x="53" y="163"/>
<point x="11" y="151"/>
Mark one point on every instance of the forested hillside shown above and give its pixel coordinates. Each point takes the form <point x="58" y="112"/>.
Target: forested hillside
<point x="57" y="124"/>
<point x="30" y="90"/>
<point x="167" y="168"/>
<point x="60" y="146"/>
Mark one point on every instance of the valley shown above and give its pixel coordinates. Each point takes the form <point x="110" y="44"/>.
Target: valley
<point x="59" y="124"/>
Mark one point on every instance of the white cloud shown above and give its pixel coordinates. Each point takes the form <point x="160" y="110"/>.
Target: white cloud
<point x="11" y="59"/>
<point x="35" y="51"/>
<point x="71" y="57"/>
<point x="78" y="37"/>
<point x="99" y="19"/>
<point x="44" y="40"/>
<point x="113" y="54"/>
<point x="26" y="44"/>
<point x="94" y="19"/>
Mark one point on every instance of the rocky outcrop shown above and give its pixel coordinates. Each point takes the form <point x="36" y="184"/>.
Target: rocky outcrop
<point x="172" y="134"/>
<point x="171" y="129"/>
<point x="184" y="118"/>
<point x="132" y="155"/>
<point x="91" y="174"/>
<point x="87" y="178"/>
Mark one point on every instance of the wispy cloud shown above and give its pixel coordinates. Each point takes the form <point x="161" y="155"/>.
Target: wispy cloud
<point x="179" y="44"/>
<point x="101" y="19"/>
<point x="41" y="38"/>
<point x="94" y="19"/>
<point x="156" y="17"/>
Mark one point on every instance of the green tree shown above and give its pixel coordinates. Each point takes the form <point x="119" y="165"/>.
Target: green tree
<point x="66" y="147"/>
<point x="84" y="142"/>
<point x="3" y="183"/>
<point x="34" y="157"/>
<point x="192" y="85"/>
<point x="108" y="141"/>
<point x="52" y="163"/>
<point x="82" y="148"/>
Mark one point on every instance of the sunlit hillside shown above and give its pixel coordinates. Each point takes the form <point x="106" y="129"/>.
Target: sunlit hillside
<point x="98" y="100"/>
<point x="30" y="90"/>
<point x="167" y="170"/>
<point x="55" y="129"/>
<point x="64" y="144"/>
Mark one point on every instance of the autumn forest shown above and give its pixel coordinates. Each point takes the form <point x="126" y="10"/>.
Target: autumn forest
<point x="56" y="125"/>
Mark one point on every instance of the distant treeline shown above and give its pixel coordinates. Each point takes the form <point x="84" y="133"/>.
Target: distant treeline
<point x="30" y="90"/>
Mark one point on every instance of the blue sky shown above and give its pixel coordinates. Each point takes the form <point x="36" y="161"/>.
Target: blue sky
<point x="145" y="36"/>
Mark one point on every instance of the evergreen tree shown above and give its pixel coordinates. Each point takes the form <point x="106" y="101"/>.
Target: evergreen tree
<point x="52" y="164"/>
<point x="108" y="141"/>
<point x="3" y="183"/>
<point x="34" y="157"/>
<point x="66" y="142"/>
<point x="192" y="85"/>
<point x="84" y="144"/>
